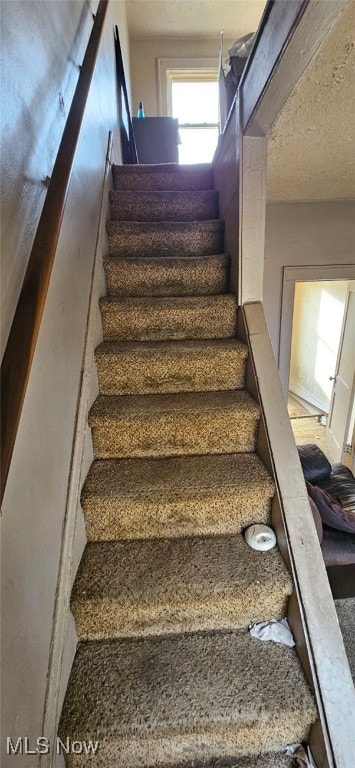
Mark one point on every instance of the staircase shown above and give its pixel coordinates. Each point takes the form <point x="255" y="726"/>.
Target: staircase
<point x="166" y="673"/>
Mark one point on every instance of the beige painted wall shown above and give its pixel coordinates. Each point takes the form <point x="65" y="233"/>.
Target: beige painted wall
<point x="308" y="234"/>
<point x="144" y="56"/>
<point x="317" y="322"/>
<point x="42" y="42"/>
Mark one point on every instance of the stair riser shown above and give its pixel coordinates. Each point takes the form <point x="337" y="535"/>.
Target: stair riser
<point x="125" y="322"/>
<point x="105" y="619"/>
<point x="126" y="239"/>
<point x="178" y="749"/>
<point x="176" y="435"/>
<point x="135" y="374"/>
<point x="173" y="277"/>
<point x="213" y="516"/>
<point x="153" y="206"/>
<point x="163" y="180"/>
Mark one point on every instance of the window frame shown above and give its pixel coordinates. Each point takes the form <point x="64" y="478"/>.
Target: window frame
<point x="203" y="69"/>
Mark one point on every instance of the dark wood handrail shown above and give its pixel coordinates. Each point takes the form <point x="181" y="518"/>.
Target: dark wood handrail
<point x="17" y="360"/>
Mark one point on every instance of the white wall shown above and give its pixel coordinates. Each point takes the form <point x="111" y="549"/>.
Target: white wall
<point x="308" y="234"/>
<point x="42" y="42"/>
<point x="144" y="56"/>
<point x="317" y="322"/>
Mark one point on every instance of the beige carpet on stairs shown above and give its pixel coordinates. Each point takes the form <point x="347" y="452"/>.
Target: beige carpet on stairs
<point x="157" y="700"/>
<point x="171" y="276"/>
<point x="185" y="585"/>
<point x="175" y="497"/>
<point x="149" y="368"/>
<point x="166" y="674"/>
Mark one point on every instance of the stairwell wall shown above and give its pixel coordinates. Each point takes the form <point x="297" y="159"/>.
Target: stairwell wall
<point x="320" y="233"/>
<point x="43" y="44"/>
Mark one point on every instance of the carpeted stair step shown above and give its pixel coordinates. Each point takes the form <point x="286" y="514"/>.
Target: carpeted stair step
<point x="167" y="276"/>
<point x="169" y="318"/>
<point x="163" y="586"/>
<point x="175" y="497"/>
<point x="174" y="424"/>
<point x="138" y="368"/>
<point x="271" y="760"/>
<point x="133" y="205"/>
<point x="166" y="176"/>
<point x="165" y="238"/>
<point x="159" y="701"/>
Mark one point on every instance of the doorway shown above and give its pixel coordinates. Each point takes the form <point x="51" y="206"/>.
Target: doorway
<point x="322" y="365"/>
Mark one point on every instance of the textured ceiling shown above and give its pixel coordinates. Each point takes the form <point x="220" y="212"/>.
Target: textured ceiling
<point x="311" y="151"/>
<point x="193" y="18"/>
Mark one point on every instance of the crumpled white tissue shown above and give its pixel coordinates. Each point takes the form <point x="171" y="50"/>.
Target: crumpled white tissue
<point x="278" y="631"/>
<point x="304" y="759"/>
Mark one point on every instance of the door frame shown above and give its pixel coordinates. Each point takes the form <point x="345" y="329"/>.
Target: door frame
<point x="291" y="276"/>
<point x="328" y="433"/>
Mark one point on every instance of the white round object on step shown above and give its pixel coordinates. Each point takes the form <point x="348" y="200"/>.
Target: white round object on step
<point x="260" y="537"/>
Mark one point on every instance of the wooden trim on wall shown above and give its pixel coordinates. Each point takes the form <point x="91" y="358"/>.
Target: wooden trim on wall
<point x="288" y="38"/>
<point x="274" y="32"/>
<point x="332" y="680"/>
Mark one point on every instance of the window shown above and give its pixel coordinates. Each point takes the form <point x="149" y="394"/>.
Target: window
<point x="191" y="96"/>
<point x="195" y="104"/>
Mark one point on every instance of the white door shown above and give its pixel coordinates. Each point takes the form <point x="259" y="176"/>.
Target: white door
<point x="343" y="382"/>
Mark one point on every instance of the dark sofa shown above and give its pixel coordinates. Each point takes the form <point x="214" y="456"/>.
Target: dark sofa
<point x="331" y="490"/>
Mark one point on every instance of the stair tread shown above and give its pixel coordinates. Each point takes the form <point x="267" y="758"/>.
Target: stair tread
<point x="160" y="168"/>
<point x="165" y="176"/>
<point x="184" y="477"/>
<point x="159" y="318"/>
<point x="167" y="275"/>
<point x="129" y="368"/>
<point x="178" y="348"/>
<point x="142" y="227"/>
<point x="168" y="302"/>
<point x="186" y="261"/>
<point x="177" y="570"/>
<point x="111" y="407"/>
<point x="175" y="496"/>
<point x="191" y="696"/>
<point x="174" y="424"/>
<point x="164" y="238"/>
<point x="270" y="760"/>
<point x="156" y="205"/>
<point x="127" y="588"/>
<point x="161" y="195"/>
